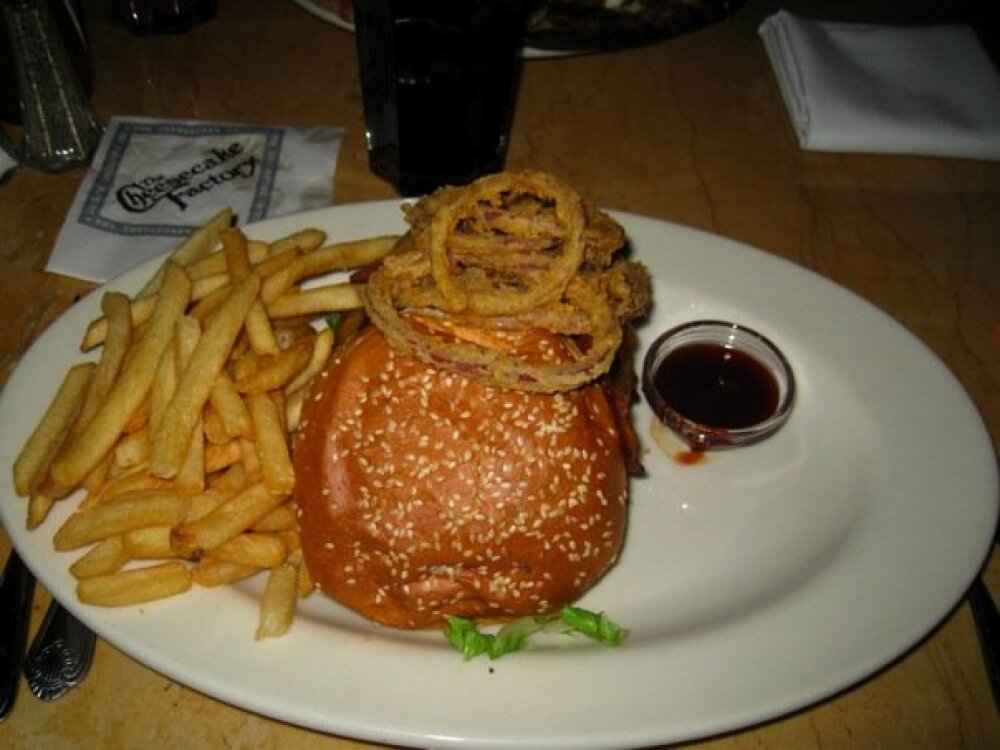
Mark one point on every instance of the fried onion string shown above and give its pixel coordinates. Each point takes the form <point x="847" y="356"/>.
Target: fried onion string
<point x="505" y="255"/>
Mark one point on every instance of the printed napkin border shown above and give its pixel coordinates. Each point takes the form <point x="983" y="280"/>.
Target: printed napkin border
<point x="126" y="130"/>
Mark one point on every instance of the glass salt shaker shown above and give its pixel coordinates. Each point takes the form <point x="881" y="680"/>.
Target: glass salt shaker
<point x="60" y="130"/>
<point x="10" y="155"/>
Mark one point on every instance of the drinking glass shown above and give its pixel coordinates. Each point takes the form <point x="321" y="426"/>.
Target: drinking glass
<point x="439" y="80"/>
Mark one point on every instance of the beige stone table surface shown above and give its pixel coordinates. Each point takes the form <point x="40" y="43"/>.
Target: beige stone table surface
<point x="690" y="130"/>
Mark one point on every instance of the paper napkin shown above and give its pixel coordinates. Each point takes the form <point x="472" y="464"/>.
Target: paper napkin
<point x="154" y="181"/>
<point x="928" y="90"/>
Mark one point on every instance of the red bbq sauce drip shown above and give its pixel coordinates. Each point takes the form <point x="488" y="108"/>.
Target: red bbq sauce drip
<point x="716" y="386"/>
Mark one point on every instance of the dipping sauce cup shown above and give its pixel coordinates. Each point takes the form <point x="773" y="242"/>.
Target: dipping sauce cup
<point x="438" y="79"/>
<point x="717" y="384"/>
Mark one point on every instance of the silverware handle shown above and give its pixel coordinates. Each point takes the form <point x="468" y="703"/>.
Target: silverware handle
<point x="60" y="654"/>
<point x="17" y="590"/>
<point x="984" y="612"/>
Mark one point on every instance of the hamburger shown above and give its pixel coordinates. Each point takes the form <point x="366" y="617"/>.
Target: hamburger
<point x="468" y="453"/>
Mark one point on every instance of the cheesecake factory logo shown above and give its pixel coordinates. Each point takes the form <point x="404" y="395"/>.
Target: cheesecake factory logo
<point x="220" y="166"/>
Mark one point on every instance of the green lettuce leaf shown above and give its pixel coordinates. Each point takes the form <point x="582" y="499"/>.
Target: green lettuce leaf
<point x="471" y="642"/>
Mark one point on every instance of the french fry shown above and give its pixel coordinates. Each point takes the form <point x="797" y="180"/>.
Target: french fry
<point x="148" y="543"/>
<point x="195" y="246"/>
<point x="187" y="334"/>
<point x="317" y="301"/>
<point x="139" y="418"/>
<point x="278" y="397"/>
<point x="233" y="516"/>
<point x="164" y="385"/>
<point x="282" y="518"/>
<point x="257" y="252"/>
<point x="258" y="248"/>
<point x="272" y="445"/>
<point x="277" y="607"/>
<point x="210" y="265"/>
<point x="180" y="431"/>
<point x="321" y="349"/>
<point x="118" y="338"/>
<point x="135" y="586"/>
<point x="209" y="285"/>
<point x="190" y="478"/>
<point x="253" y="549"/>
<point x="293" y="408"/>
<point x="259" y="330"/>
<point x="45" y="441"/>
<point x="133" y="481"/>
<point x="292" y="540"/>
<point x="211" y="572"/>
<point x="107" y="556"/>
<point x="170" y="442"/>
<point x="276" y="262"/>
<point x="338" y="257"/>
<point x="243" y="365"/>
<point x="228" y="404"/>
<point x="306" y="584"/>
<point x="215" y="431"/>
<point x="206" y="306"/>
<point x="205" y="502"/>
<point x="234" y="478"/>
<point x="39" y="505"/>
<point x="277" y="371"/>
<point x="133" y="511"/>
<point x="258" y="327"/>
<point x="218" y="457"/>
<point x="249" y="457"/>
<point x="113" y="470"/>
<point x="99" y="475"/>
<point x="303" y="241"/>
<point x="133" y="449"/>
<point x="140" y="311"/>
<point x="132" y="386"/>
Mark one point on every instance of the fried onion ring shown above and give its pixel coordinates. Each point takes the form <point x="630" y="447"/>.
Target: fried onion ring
<point x="507" y="255"/>
<point x="489" y="196"/>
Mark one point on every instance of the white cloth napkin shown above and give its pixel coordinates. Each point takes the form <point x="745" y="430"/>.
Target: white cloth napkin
<point x="153" y="182"/>
<point x="926" y="90"/>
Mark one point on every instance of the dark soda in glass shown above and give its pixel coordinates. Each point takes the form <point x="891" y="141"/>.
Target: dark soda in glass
<point x="438" y="79"/>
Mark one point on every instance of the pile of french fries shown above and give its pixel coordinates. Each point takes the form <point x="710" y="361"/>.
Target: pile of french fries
<point x="177" y="437"/>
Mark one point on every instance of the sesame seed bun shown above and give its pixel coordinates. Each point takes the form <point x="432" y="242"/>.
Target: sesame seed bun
<point x="424" y="494"/>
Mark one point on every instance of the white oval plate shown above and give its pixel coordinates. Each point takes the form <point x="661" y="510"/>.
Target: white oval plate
<point x="760" y="581"/>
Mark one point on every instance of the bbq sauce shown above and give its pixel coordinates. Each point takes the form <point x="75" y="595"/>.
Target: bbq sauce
<point x="717" y="386"/>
